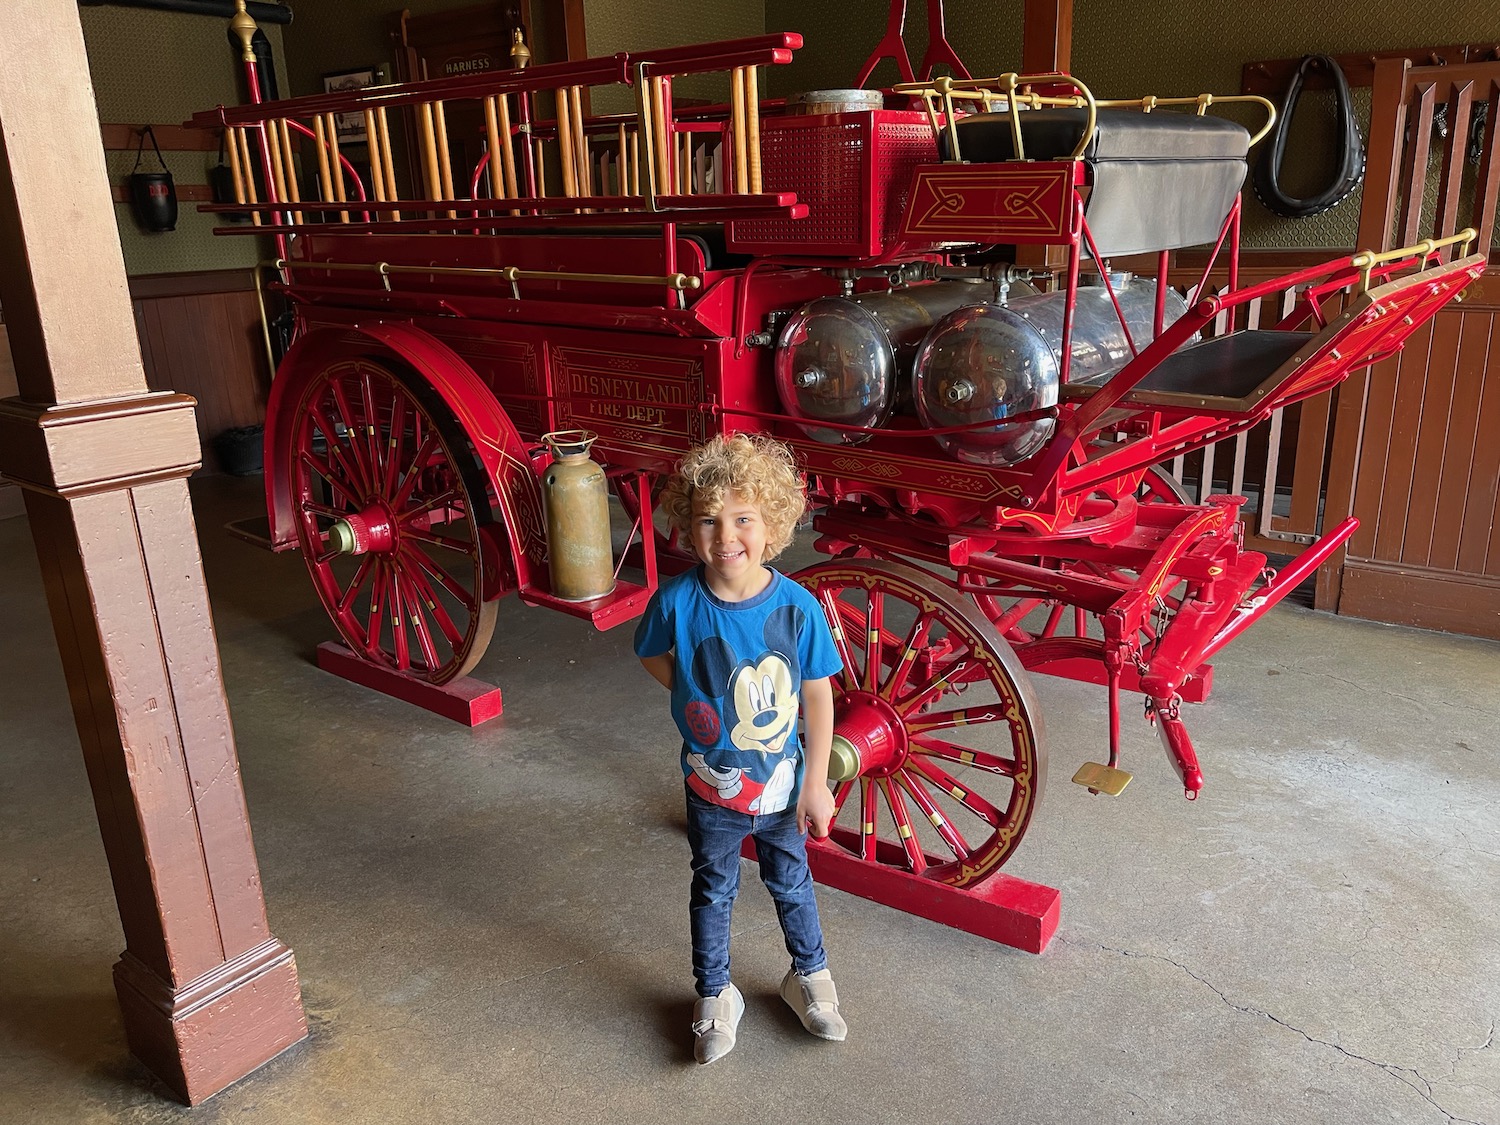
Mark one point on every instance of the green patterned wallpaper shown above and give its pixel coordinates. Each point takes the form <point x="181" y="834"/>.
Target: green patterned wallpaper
<point x="161" y="67"/>
<point x="628" y="25"/>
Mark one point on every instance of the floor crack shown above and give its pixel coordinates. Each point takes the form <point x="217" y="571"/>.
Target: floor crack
<point x="1424" y="1091"/>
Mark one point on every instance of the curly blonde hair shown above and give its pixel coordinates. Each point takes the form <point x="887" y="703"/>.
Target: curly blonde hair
<point x="757" y="467"/>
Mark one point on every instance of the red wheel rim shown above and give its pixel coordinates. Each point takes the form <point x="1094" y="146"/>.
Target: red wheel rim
<point x="952" y="736"/>
<point x="367" y="453"/>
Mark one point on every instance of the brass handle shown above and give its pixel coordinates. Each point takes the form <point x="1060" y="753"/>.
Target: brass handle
<point x="1367" y="260"/>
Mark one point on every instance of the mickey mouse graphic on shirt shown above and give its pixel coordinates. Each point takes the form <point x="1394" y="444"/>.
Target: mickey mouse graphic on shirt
<point x="758" y="701"/>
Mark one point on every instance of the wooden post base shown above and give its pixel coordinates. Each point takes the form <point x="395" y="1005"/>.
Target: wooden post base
<point x="464" y="700"/>
<point x="203" y="1036"/>
<point x="1001" y="909"/>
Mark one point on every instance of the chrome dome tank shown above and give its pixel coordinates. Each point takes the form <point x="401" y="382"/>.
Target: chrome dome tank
<point x="988" y="362"/>
<point x="847" y="360"/>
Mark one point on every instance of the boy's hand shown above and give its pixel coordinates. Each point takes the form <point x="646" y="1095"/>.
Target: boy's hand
<point x="815" y="810"/>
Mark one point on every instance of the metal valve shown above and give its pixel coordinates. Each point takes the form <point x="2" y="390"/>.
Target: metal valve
<point x="959" y="391"/>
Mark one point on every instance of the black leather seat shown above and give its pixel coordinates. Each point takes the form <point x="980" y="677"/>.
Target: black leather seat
<point x="1160" y="180"/>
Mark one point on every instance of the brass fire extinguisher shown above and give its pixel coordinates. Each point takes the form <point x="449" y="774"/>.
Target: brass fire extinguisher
<point x="576" y="498"/>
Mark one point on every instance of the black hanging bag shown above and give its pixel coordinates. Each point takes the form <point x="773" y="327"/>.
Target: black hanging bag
<point x="153" y="194"/>
<point x="1351" y="169"/>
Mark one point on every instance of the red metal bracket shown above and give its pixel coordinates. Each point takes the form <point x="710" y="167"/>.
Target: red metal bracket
<point x="464" y="700"/>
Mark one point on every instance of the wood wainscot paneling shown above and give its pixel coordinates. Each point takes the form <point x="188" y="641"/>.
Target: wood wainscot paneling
<point x="200" y="334"/>
<point x="1427" y="478"/>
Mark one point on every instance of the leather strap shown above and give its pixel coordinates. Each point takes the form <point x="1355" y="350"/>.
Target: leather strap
<point x="1351" y="167"/>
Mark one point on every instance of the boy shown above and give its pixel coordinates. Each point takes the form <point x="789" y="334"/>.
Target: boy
<point x="737" y="644"/>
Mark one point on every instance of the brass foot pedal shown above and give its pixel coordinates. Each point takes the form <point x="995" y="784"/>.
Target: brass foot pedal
<point x="1099" y="778"/>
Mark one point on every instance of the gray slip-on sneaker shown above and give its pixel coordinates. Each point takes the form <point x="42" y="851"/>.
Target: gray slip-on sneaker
<point x="816" y="1002"/>
<point x="715" y="1019"/>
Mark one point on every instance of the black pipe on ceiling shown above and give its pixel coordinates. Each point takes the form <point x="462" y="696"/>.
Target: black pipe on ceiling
<point x="264" y="13"/>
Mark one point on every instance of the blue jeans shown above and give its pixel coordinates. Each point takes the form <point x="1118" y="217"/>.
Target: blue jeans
<point x="716" y="834"/>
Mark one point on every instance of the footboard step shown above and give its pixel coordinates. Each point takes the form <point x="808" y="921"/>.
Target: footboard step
<point x="1099" y="778"/>
<point x="464" y="700"/>
<point x="1001" y="909"/>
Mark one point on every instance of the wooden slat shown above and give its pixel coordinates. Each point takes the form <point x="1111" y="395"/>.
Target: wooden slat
<point x="1487" y="182"/>
<point x="1414" y="165"/>
<point x="186" y="193"/>
<point x="1383" y="154"/>
<point x="1451" y="183"/>
<point x="1463" y="430"/>
<point x="1432" y="440"/>
<point x="1476" y="554"/>
<point x="169" y="138"/>
<point x="1369" y="466"/>
<point x="1390" y="495"/>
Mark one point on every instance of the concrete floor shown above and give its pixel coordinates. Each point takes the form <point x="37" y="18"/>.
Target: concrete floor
<point x="490" y="926"/>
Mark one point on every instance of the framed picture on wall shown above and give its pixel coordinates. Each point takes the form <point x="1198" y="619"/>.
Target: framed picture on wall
<point x="351" y="126"/>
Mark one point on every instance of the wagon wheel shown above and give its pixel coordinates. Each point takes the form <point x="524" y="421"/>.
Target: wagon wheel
<point x="933" y="777"/>
<point x="1159" y="486"/>
<point x="382" y="480"/>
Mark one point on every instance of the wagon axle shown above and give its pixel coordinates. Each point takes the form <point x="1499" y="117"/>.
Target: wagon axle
<point x="370" y="531"/>
<point x="868" y="738"/>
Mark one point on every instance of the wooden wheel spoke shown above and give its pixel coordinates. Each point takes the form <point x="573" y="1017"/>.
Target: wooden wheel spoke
<point x="915" y="860"/>
<point x="393" y="445"/>
<point x="875" y="614"/>
<point x="372" y="430"/>
<point x="945" y="828"/>
<point x="366" y="568"/>
<point x="958" y="717"/>
<point x="466" y="547"/>
<point x="956" y="674"/>
<point x="413" y="603"/>
<point x="341" y="470"/>
<point x="399" y="640"/>
<point x="915" y="642"/>
<point x="834" y="610"/>
<point x="841" y="795"/>
<point x="960" y="793"/>
<point x="337" y="480"/>
<point x="313" y="508"/>
<point x="929" y="747"/>
<point x="376" y="615"/>
<point x="355" y="427"/>
<point x="419" y="563"/>
<point x="441" y="500"/>
<point x="425" y="449"/>
<point x="867" y="811"/>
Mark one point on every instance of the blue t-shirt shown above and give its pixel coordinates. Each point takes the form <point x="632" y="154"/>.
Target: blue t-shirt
<point x="737" y="682"/>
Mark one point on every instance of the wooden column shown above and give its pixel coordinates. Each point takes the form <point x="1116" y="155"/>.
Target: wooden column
<point x="207" y="993"/>
<point x="1047" y="36"/>
<point x="1046" y="46"/>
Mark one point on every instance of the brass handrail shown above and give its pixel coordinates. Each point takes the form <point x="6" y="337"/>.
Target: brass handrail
<point x="512" y="274"/>
<point x="981" y="89"/>
<point x="1366" y="260"/>
<point x="984" y="90"/>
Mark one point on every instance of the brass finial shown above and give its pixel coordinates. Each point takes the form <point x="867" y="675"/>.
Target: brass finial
<point x="520" y="54"/>
<point x="242" y="23"/>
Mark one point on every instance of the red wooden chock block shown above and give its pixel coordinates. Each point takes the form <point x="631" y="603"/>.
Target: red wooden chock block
<point x="464" y="700"/>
